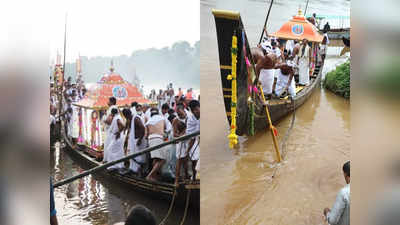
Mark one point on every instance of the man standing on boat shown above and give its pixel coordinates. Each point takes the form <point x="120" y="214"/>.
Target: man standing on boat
<point x="116" y="138"/>
<point x="135" y="141"/>
<point x="112" y="102"/>
<point x="303" y="61"/>
<point x="179" y="129"/>
<point x="265" y="70"/>
<point x="157" y="129"/>
<point x="193" y="125"/>
<point x="340" y="212"/>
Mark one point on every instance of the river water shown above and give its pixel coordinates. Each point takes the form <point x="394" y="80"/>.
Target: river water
<point x="97" y="201"/>
<point x="238" y="186"/>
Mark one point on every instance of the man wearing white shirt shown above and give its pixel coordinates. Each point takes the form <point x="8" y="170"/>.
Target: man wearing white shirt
<point x="340" y="212"/>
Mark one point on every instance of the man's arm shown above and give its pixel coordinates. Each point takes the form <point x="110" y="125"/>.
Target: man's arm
<point x="333" y="216"/>
<point x="109" y="119"/>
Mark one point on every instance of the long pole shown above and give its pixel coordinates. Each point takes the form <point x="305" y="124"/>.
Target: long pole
<point x="63" y="71"/>
<point x="265" y="23"/>
<point x="305" y="11"/>
<point x="106" y="165"/>
<point x="278" y="154"/>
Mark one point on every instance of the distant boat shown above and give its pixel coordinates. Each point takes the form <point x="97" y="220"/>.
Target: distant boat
<point x="338" y="33"/>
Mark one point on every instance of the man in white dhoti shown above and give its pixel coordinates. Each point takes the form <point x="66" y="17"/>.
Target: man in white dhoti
<point x="265" y="70"/>
<point x="340" y="212"/>
<point x="179" y="129"/>
<point x="157" y="129"/>
<point x="135" y="141"/>
<point x="117" y="139"/>
<point x="304" y="60"/>
<point x="193" y="125"/>
<point x="285" y="82"/>
<point x="107" y="123"/>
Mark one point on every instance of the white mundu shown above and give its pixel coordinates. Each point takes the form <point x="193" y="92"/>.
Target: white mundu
<point x="181" y="147"/>
<point x="267" y="80"/>
<point x="116" y="146"/>
<point x="304" y="70"/>
<point x="193" y="125"/>
<point x="281" y="83"/>
<point x="133" y="148"/>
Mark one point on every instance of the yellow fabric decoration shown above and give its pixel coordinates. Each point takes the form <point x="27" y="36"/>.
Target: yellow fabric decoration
<point x="233" y="138"/>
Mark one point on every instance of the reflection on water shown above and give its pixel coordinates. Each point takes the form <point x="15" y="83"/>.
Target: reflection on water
<point x="98" y="201"/>
<point x="238" y="185"/>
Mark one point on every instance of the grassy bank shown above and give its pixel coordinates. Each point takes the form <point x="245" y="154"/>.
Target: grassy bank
<point x="338" y="80"/>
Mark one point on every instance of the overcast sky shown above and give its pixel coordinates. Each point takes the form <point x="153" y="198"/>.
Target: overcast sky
<point x="109" y="28"/>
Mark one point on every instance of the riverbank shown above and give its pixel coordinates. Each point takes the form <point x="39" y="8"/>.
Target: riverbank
<point x="338" y="80"/>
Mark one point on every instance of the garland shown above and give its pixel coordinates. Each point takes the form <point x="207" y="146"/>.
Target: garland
<point x="233" y="138"/>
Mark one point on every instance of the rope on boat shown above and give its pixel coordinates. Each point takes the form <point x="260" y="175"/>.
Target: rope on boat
<point x="106" y="165"/>
<point x="170" y="208"/>
<point x="286" y="137"/>
<point x="186" y="207"/>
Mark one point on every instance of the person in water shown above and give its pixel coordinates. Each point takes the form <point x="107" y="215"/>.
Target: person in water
<point x="340" y="212"/>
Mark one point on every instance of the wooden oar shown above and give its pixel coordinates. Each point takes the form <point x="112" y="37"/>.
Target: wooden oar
<point x="265" y="23"/>
<point x="272" y="128"/>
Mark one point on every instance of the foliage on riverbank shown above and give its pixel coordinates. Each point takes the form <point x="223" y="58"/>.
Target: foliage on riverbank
<point x="338" y="80"/>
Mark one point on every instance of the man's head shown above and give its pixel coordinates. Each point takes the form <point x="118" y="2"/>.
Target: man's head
<point x="134" y="104"/>
<point x="164" y="108"/>
<point x="112" y="101"/>
<point x="114" y="111"/>
<point x="314" y="15"/>
<point x="305" y="41"/>
<point x="127" y="113"/>
<point x="140" y="215"/>
<point x="346" y="171"/>
<point x="180" y="110"/>
<point x="194" y="106"/>
<point x="153" y="111"/>
<point x="273" y="44"/>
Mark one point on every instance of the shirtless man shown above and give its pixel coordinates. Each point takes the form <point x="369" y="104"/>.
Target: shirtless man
<point x="265" y="70"/>
<point x="156" y="128"/>
<point x="179" y="129"/>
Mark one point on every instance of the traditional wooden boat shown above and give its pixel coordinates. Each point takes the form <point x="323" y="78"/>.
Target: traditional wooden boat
<point x="229" y="23"/>
<point x="163" y="190"/>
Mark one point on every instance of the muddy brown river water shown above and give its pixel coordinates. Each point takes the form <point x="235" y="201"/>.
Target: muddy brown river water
<point x="237" y="185"/>
<point x="96" y="200"/>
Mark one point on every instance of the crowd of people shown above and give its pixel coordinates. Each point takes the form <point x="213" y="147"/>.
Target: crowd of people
<point x="278" y="61"/>
<point x="142" y="126"/>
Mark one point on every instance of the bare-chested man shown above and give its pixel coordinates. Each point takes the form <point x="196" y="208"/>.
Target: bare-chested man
<point x="179" y="129"/>
<point x="156" y="128"/>
<point x="265" y="70"/>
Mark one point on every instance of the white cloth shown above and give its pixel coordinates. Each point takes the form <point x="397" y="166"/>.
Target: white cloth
<point x="161" y="153"/>
<point x="74" y="123"/>
<point x="193" y="125"/>
<point x="281" y="83"/>
<point x="289" y="45"/>
<point x="147" y="114"/>
<point x="322" y="49"/>
<point x="133" y="148"/>
<point x="327" y="38"/>
<point x="116" y="146"/>
<point x="133" y="111"/>
<point x="304" y="70"/>
<point x="340" y="212"/>
<point x="107" y="131"/>
<point x="156" y="119"/>
<point x="267" y="80"/>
